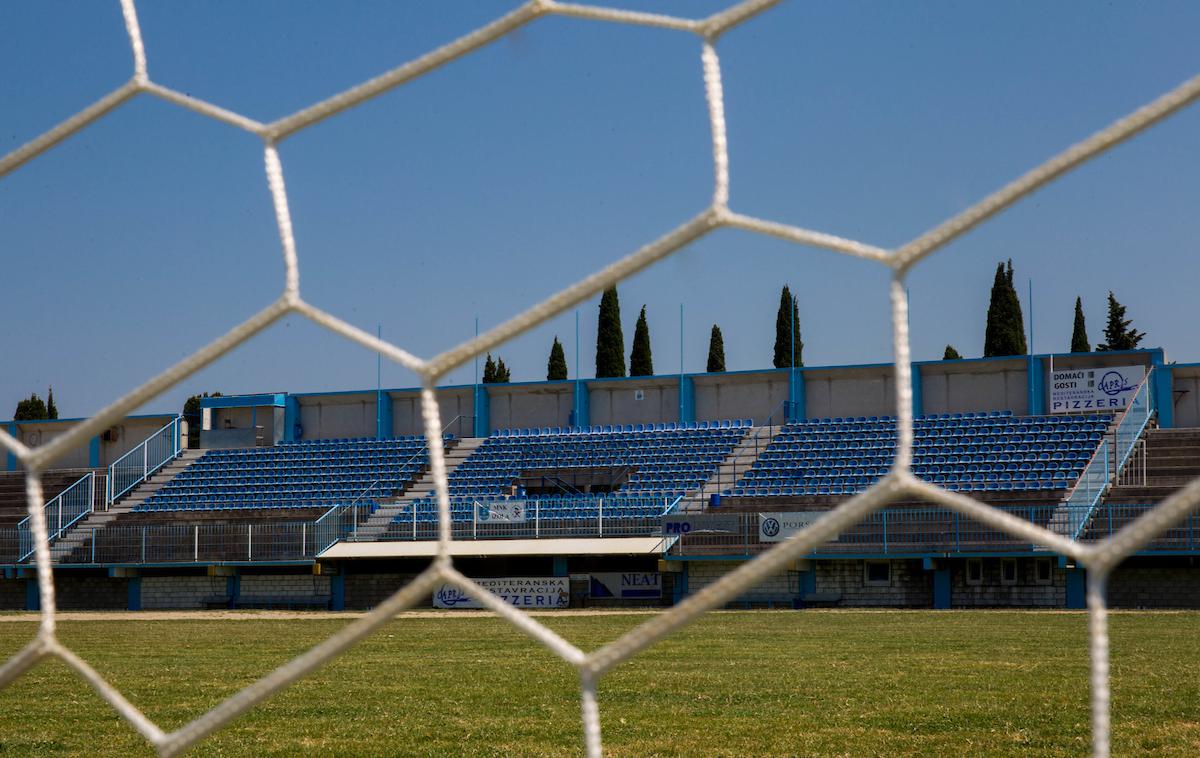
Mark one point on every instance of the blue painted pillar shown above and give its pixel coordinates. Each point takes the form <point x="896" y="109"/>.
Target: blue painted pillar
<point x="383" y="415"/>
<point x="687" y="399"/>
<point x="941" y="588"/>
<point x="33" y="598"/>
<point x="337" y="592"/>
<point x="806" y="585"/>
<point x="233" y="588"/>
<point x="1036" y="384"/>
<point x="681" y="585"/>
<point x="135" y="593"/>
<point x="918" y="393"/>
<point x="94" y="450"/>
<point x="581" y="414"/>
<point x="797" y="402"/>
<point x="291" y="419"/>
<point x="560" y="566"/>
<point x="483" y="411"/>
<point x="11" y="462"/>
<point x="1076" y="588"/>
<point x="1163" y="387"/>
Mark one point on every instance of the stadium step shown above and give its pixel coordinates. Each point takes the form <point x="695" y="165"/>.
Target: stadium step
<point x="457" y="451"/>
<point x="89" y="524"/>
<point x="739" y="460"/>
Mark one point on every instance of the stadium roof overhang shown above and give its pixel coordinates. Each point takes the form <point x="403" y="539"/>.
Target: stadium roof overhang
<point x="483" y="548"/>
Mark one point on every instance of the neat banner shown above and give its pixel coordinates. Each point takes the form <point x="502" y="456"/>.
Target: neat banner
<point x="701" y="523"/>
<point x="628" y="586"/>
<point x="500" y="512"/>
<point x="1080" y="390"/>
<point x="778" y="526"/>
<point x="521" y="591"/>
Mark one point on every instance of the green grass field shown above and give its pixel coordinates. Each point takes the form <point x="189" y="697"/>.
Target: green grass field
<point x="753" y="683"/>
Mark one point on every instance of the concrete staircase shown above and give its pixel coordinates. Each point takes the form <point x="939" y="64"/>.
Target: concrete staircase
<point x="456" y="452"/>
<point x="739" y="460"/>
<point x="1172" y="460"/>
<point x="83" y="529"/>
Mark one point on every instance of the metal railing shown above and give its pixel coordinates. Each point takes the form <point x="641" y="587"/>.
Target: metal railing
<point x="1109" y="458"/>
<point x="536" y="518"/>
<point x="62" y="512"/>
<point x="148" y="456"/>
<point x="342" y="520"/>
<point x="924" y="531"/>
<point x="181" y="543"/>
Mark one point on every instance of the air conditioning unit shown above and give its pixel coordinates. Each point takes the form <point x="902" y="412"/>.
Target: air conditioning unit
<point x="112" y="434"/>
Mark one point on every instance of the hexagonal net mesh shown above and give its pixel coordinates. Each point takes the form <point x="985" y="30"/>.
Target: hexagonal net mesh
<point x="1098" y="558"/>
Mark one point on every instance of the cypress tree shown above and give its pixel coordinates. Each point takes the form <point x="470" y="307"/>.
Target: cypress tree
<point x="1117" y="333"/>
<point x="716" y="351"/>
<point x="1079" y="339"/>
<point x="33" y="409"/>
<point x="503" y="375"/>
<point x="1005" y="330"/>
<point x="787" y="332"/>
<point x="641" y="362"/>
<point x="556" y="367"/>
<point x="951" y="354"/>
<point x="51" y="408"/>
<point x="610" y="340"/>
<point x="489" y="370"/>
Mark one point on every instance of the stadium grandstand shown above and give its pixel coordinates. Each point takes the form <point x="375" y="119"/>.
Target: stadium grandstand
<point x="665" y="483"/>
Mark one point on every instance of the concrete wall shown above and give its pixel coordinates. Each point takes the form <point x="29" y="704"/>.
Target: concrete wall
<point x="526" y="405"/>
<point x="993" y="593"/>
<point x="1155" y="584"/>
<point x="182" y="591"/>
<point x="960" y="387"/>
<point x="351" y="415"/>
<point x="735" y="396"/>
<point x="126" y="435"/>
<point x="617" y="402"/>
<point x="774" y="587"/>
<point x="456" y="406"/>
<point x="1187" y="395"/>
<point x="909" y="586"/>
<point x="854" y="391"/>
<point x="283" y="585"/>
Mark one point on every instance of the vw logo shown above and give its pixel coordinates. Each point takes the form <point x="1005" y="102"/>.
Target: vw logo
<point x="770" y="527"/>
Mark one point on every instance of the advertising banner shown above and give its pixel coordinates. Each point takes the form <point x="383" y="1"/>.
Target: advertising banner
<point x="500" y="512"/>
<point x="627" y="586"/>
<point x="522" y="591"/>
<point x="1081" y="390"/>
<point x="701" y="523"/>
<point x="778" y="526"/>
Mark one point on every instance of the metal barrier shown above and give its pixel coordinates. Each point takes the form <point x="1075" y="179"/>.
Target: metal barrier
<point x="342" y="520"/>
<point x="1109" y="459"/>
<point x="149" y="456"/>
<point x="537" y="518"/>
<point x="184" y="543"/>
<point x="921" y="531"/>
<point x="62" y="512"/>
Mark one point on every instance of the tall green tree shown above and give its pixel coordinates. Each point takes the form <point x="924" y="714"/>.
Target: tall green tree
<point x="641" y="361"/>
<point x="1005" y="331"/>
<point x="503" y="375"/>
<point x="191" y="406"/>
<point x="1079" y="338"/>
<point x="489" y="370"/>
<point x="951" y="354"/>
<point x="787" y="332"/>
<point x="556" y="367"/>
<point x="610" y="340"/>
<point x="51" y="408"/>
<point x="1118" y="334"/>
<point x="32" y="409"/>
<point x="716" y="350"/>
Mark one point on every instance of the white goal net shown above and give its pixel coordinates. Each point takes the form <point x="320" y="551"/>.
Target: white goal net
<point x="1099" y="559"/>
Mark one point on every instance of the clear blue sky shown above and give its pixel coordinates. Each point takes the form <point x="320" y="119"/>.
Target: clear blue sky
<point x="499" y="179"/>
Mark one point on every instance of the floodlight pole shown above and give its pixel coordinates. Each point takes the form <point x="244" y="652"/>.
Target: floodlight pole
<point x="378" y="384"/>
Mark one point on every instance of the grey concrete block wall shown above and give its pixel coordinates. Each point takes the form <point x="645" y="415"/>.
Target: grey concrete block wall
<point x="975" y="386"/>
<point x="283" y="586"/>
<point x="909" y="585"/>
<point x="364" y="591"/>
<point x="703" y="573"/>
<point x="992" y="592"/>
<point x="338" y="416"/>
<point x="181" y="592"/>
<point x="618" y="403"/>
<point x="735" y="396"/>
<point x="12" y="594"/>
<point x="1187" y="396"/>
<point x="854" y="391"/>
<point x="1161" y="586"/>
<point x="530" y="405"/>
